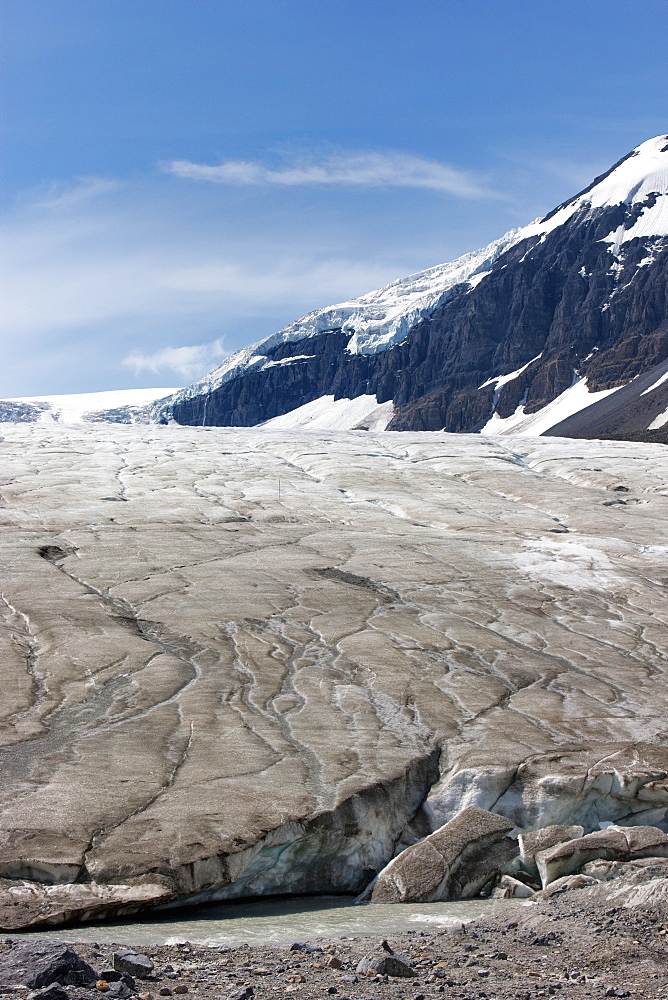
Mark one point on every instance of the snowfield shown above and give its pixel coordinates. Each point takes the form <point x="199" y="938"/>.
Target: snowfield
<point x="237" y="661"/>
<point x="73" y="407"/>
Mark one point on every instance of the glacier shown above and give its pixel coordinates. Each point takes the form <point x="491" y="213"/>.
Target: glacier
<point x="249" y="661"/>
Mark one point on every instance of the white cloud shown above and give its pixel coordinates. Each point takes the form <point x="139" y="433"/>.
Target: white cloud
<point x="364" y="169"/>
<point x="56" y="195"/>
<point x="188" y="361"/>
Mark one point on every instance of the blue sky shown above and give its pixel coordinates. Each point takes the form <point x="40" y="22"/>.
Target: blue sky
<point x="181" y="177"/>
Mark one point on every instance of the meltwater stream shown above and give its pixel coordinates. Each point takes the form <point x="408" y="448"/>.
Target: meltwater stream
<point x="280" y="921"/>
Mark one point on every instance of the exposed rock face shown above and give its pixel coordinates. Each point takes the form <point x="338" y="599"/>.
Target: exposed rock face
<point x="212" y="692"/>
<point x="533" y="302"/>
<point x="454" y="862"/>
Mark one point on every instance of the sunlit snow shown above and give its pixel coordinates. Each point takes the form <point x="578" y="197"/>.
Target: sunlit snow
<point x="288" y="361"/>
<point x="655" y="385"/>
<point x="499" y="380"/>
<point x="659" y="420"/>
<point x="643" y="173"/>
<point x="571" y="401"/>
<point x="327" y="413"/>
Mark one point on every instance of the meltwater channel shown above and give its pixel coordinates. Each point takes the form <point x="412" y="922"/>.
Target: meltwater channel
<point x="279" y="922"/>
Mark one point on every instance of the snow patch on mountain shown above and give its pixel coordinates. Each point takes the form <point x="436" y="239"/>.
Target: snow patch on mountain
<point x="571" y="401"/>
<point x="500" y="380"/>
<point x="329" y="414"/>
<point x="659" y="421"/>
<point x="287" y="361"/>
<point x="656" y="384"/>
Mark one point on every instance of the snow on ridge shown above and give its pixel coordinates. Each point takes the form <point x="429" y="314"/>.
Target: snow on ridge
<point x="643" y="173"/>
<point x="376" y="320"/>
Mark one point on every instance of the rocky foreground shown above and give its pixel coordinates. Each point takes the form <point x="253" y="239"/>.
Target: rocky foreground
<point x="610" y="940"/>
<point x="240" y="663"/>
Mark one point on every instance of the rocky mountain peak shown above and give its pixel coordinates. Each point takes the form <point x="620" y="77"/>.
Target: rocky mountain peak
<point x="639" y="179"/>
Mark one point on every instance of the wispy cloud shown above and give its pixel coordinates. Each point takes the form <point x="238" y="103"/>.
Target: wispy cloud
<point x="363" y="169"/>
<point x="68" y="195"/>
<point x="188" y="361"/>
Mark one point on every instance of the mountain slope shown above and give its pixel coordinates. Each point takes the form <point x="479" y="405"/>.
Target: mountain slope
<point x="581" y="293"/>
<point x="637" y="411"/>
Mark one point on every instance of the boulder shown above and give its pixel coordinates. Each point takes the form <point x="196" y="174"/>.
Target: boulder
<point x="533" y="841"/>
<point x="119" y="990"/>
<point x="133" y="964"/>
<point x="646" y="842"/>
<point x="245" y="993"/>
<point x="385" y="962"/>
<point x="305" y="946"/>
<point x="508" y="887"/>
<point x="615" y="843"/>
<point x="454" y="862"/>
<point x="37" y="964"/>
<point x="565" y="884"/>
<point x="114" y="976"/>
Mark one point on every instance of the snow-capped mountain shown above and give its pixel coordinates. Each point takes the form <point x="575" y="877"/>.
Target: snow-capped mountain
<point x="514" y="338"/>
<point x="551" y="320"/>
